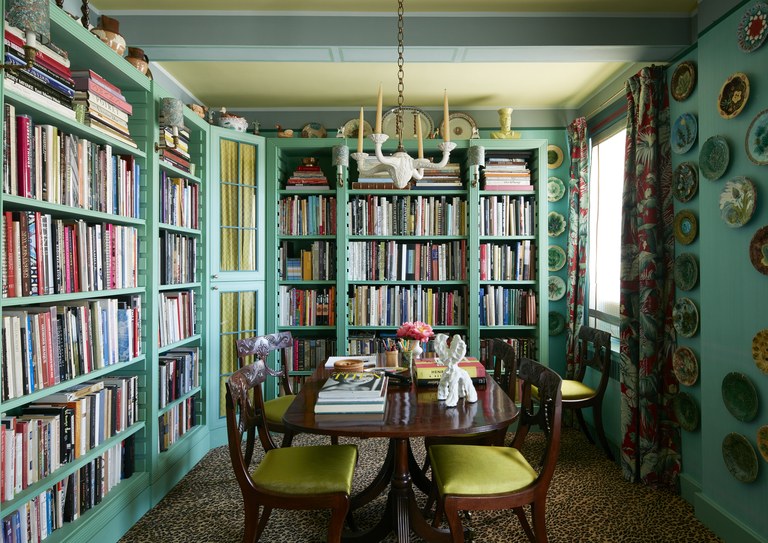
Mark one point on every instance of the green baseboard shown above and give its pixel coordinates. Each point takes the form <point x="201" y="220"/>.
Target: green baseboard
<point x="723" y="523"/>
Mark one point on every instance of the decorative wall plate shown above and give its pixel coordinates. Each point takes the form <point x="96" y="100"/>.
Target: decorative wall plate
<point x="461" y="125"/>
<point x="760" y="350"/>
<point x="733" y="95"/>
<point x="758" y="250"/>
<point x="555" y="258"/>
<point x="555" y="224"/>
<point x="686" y="227"/>
<point x="389" y="123"/>
<point x="686" y="411"/>
<point x="685" y="317"/>
<point x="555" y="189"/>
<point x="683" y="80"/>
<point x="686" y="271"/>
<point x="753" y="27"/>
<point x="762" y="441"/>
<point x="684" y="131"/>
<point x="740" y="396"/>
<point x="686" y="181"/>
<point x="740" y="457"/>
<point x="313" y="130"/>
<point x="556" y="323"/>
<point x="714" y="157"/>
<point x="756" y="141"/>
<point x="350" y="128"/>
<point x="686" y="366"/>
<point x="556" y="288"/>
<point x="737" y="201"/>
<point x="554" y="156"/>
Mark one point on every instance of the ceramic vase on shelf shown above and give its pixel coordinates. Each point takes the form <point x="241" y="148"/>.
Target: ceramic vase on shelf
<point x="410" y="356"/>
<point x="108" y="31"/>
<point x="138" y="59"/>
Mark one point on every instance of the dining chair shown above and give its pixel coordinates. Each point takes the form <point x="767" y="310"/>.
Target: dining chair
<point x="471" y="478"/>
<point x="306" y="478"/>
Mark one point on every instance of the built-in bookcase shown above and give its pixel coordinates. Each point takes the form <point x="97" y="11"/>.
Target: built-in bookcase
<point x="404" y="255"/>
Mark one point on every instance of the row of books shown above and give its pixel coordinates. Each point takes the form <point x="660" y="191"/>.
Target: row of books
<point x="371" y="305"/>
<point x="45" y="256"/>
<point x="396" y="261"/>
<point x="375" y="215"/>
<point x="179" y="373"/>
<point x="176" y="422"/>
<point x="179" y="201"/>
<point x="68" y="499"/>
<point x="178" y="258"/>
<point x="506" y="171"/>
<point x="307" y="307"/>
<point x="317" y="263"/>
<point x="507" y="215"/>
<point x="106" y="108"/>
<point x="177" y="316"/>
<point x="43" y="162"/>
<point x="46" y="345"/>
<point x="508" y="262"/>
<point x="358" y="394"/>
<point x="63" y="427"/>
<point x="175" y="153"/>
<point x="500" y="306"/>
<point x="307" y="176"/>
<point x="307" y="215"/>
<point x="308" y="353"/>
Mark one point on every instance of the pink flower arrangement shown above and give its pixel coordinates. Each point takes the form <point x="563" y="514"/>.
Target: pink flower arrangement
<point x="411" y="333"/>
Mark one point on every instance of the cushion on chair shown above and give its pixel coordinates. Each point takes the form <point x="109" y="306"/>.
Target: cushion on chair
<point x="571" y="390"/>
<point x="473" y="470"/>
<point x="307" y="470"/>
<point x="275" y="409"/>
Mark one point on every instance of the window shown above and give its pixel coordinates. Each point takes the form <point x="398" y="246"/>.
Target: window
<point x="606" y="183"/>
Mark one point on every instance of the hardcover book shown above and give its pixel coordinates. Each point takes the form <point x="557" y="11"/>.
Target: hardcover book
<point x="359" y="385"/>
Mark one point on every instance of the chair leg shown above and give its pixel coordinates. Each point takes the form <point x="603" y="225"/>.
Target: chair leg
<point x="583" y="425"/>
<point x="336" y="526"/>
<point x="287" y="438"/>
<point x="265" y="512"/>
<point x="334" y="440"/>
<point x="539" y="524"/>
<point x="454" y="521"/>
<point x="598" y="413"/>
<point x="520" y="512"/>
<point x="250" y="533"/>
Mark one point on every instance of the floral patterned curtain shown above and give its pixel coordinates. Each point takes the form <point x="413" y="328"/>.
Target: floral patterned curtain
<point x="578" y="228"/>
<point x="650" y="448"/>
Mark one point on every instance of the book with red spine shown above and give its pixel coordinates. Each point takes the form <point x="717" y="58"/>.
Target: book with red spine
<point x="10" y="250"/>
<point x="90" y="74"/>
<point x="24" y="132"/>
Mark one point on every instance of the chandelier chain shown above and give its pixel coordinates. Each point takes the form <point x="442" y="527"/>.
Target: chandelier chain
<point x="400" y="74"/>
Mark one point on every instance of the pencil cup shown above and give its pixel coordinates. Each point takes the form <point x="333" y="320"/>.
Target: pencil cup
<point x="392" y="358"/>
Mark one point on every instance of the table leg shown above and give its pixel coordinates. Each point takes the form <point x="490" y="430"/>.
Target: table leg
<point x="379" y="483"/>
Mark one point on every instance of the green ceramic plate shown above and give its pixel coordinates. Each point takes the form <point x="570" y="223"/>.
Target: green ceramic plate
<point x="756" y="141"/>
<point x="714" y="157"/>
<point x="556" y="288"/>
<point x="737" y="201"/>
<point x="685" y="182"/>
<point x="740" y="396"/>
<point x="556" y="323"/>
<point x="686" y="271"/>
<point x="555" y="224"/>
<point x="685" y="317"/>
<point x="555" y="189"/>
<point x="684" y="131"/>
<point x="555" y="258"/>
<point x="686" y="366"/>
<point x="762" y="441"/>
<point x="740" y="457"/>
<point x="686" y="411"/>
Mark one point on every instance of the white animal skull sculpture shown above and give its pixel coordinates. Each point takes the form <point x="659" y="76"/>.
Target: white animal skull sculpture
<point x="455" y="382"/>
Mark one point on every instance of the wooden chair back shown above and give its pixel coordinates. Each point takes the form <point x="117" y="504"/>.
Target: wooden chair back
<point x="505" y="367"/>
<point x="594" y="350"/>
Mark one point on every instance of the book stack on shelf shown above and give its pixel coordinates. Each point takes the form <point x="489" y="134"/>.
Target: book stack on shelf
<point x="307" y="176"/>
<point x="448" y="178"/>
<point x="49" y="82"/>
<point x="308" y="353"/>
<point x="106" y="109"/>
<point x="357" y="395"/>
<point x="508" y="171"/>
<point x="429" y="371"/>
<point x="175" y="154"/>
<point x="378" y="180"/>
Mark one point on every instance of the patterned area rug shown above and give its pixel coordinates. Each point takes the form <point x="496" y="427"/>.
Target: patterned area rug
<point x="589" y="501"/>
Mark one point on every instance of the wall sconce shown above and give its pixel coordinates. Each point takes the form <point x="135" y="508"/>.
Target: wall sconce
<point x="341" y="161"/>
<point x="476" y="159"/>
<point x="32" y="18"/>
<point x="171" y="116"/>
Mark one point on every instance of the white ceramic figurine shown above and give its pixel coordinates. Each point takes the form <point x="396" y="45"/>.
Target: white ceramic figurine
<point x="455" y="382"/>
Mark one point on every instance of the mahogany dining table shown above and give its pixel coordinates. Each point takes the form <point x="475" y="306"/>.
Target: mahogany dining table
<point x="411" y="412"/>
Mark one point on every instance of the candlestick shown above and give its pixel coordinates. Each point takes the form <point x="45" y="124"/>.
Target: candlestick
<point x="360" y="130"/>
<point x="378" y="111"/>
<point x="418" y="136"/>
<point x="446" y="132"/>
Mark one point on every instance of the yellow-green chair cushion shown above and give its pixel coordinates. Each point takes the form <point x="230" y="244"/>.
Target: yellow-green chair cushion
<point x="472" y="470"/>
<point x="571" y="390"/>
<point x="307" y="470"/>
<point x="275" y="409"/>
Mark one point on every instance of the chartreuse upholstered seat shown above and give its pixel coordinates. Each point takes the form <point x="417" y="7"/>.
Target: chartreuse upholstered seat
<point x="470" y="477"/>
<point x="318" y="477"/>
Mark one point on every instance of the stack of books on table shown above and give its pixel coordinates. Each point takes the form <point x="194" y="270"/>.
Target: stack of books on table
<point x="308" y="176"/>
<point x="506" y="172"/>
<point x="175" y="154"/>
<point x="353" y="395"/>
<point x="106" y="109"/>
<point x="447" y="178"/>
<point x="49" y="82"/>
<point x="429" y="371"/>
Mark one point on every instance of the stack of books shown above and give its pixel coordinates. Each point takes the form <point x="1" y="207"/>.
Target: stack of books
<point x="357" y="395"/>
<point x="49" y="82"/>
<point x="378" y="180"/>
<point x="429" y="371"/>
<point x="441" y="179"/>
<point x="175" y="154"/>
<point x="106" y="109"/>
<point x="308" y="176"/>
<point x="506" y="172"/>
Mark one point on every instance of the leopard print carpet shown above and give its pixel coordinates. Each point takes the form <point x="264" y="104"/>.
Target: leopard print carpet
<point x="589" y="502"/>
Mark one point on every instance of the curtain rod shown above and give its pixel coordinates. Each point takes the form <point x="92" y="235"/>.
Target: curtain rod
<point x="604" y="103"/>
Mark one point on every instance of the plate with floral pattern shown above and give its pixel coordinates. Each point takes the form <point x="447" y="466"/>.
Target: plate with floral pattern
<point x="760" y="350"/>
<point x="762" y="441"/>
<point x="737" y="201"/>
<point x="556" y="288"/>
<point x="685" y="226"/>
<point x="740" y="457"/>
<point x="740" y="396"/>
<point x="683" y="80"/>
<point x="555" y="224"/>
<point x="686" y="366"/>
<point x="555" y="258"/>
<point x="555" y="189"/>
<point x="756" y="141"/>
<point x="686" y="411"/>
<point x="733" y="95"/>
<point x="686" y="181"/>
<point x="685" y="317"/>
<point x="686" y="271"/>
<point x="753" y="27"/>
<point x="758" y="250"/>
<point x="714" y="157"/>
<point x="684" y="131"/>
<point x="556" y="323"/>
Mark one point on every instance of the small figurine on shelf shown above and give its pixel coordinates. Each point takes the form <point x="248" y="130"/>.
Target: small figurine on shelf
<point x="256" y="127"/>
<point x="287" y="133"/>
<point x="505" y="123"/>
